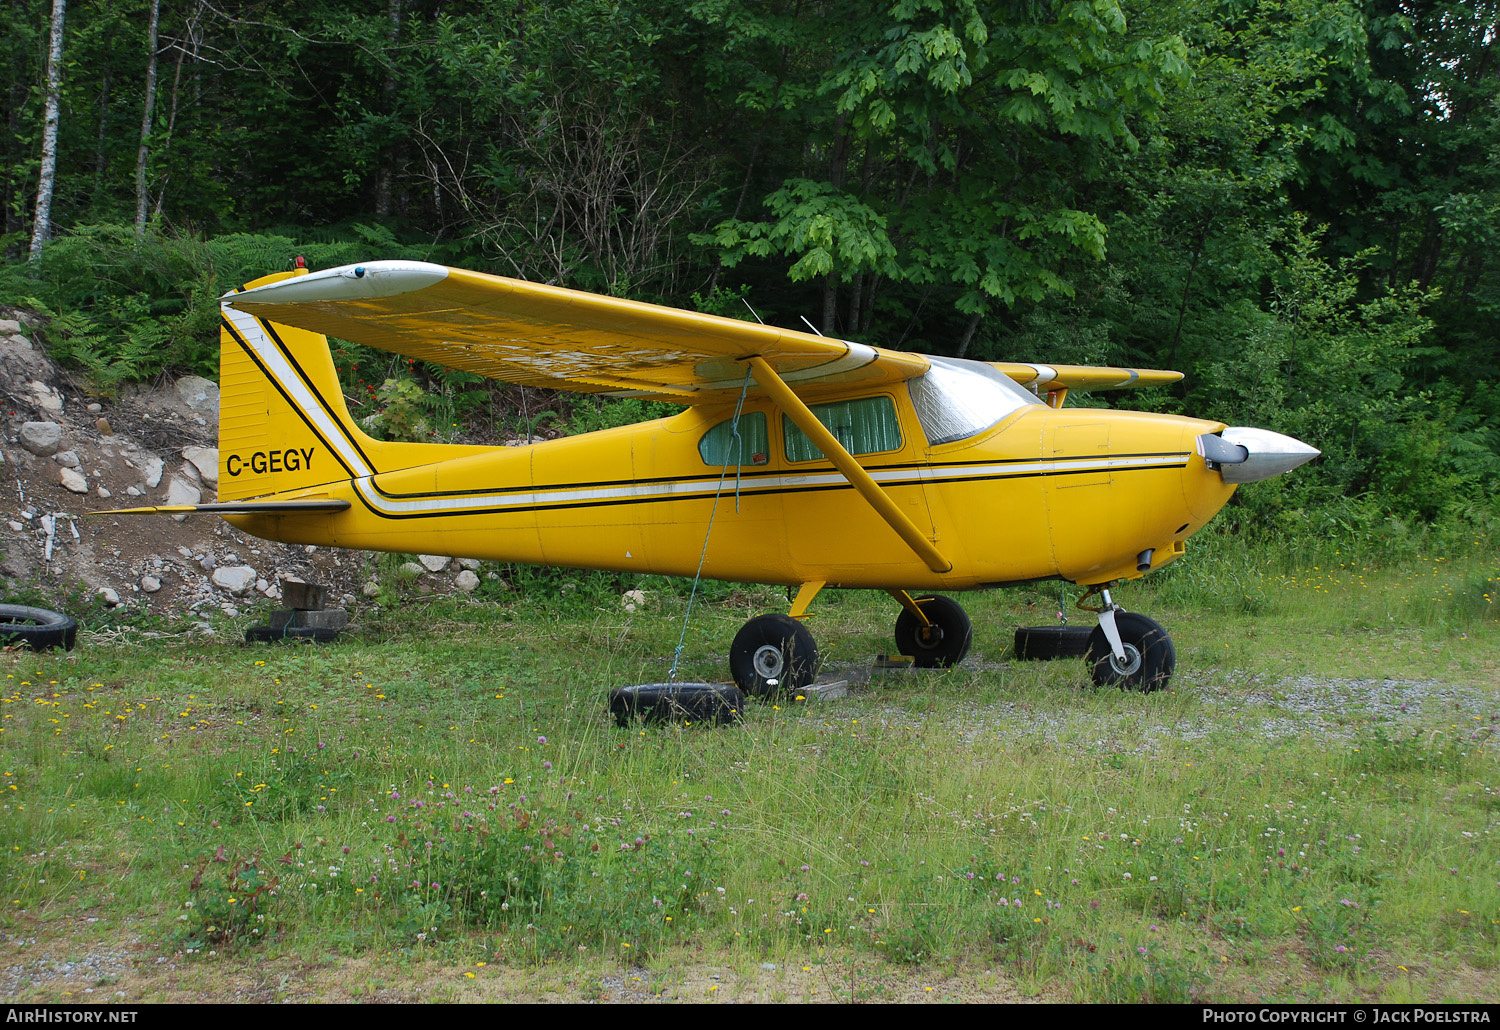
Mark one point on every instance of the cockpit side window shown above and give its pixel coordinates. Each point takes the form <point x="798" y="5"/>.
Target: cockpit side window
<point x="956" y="398"/>
<point x="753" y="447"/>
<point x="865" y="426"/>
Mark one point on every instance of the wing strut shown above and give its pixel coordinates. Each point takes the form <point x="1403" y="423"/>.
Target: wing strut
<point x="803" y="418"/>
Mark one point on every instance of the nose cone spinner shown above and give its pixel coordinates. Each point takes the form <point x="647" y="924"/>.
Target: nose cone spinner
<point x="1245" y="455"/>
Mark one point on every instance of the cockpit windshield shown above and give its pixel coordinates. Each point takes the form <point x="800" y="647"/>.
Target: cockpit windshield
<point x="957" y="398"/>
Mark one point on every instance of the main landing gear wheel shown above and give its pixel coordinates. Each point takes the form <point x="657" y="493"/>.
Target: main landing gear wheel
<point x="943" y="642"/>
<point x="1149" y="655"/>
<point x="773" y="654"/>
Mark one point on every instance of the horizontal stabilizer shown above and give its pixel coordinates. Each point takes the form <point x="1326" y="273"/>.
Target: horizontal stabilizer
<point x="237" y="508"/>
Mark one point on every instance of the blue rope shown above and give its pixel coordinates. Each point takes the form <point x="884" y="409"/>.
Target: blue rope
<point x="735" y="451"/>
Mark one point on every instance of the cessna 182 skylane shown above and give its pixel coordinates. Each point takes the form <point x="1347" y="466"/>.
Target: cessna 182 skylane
<point x="848" y="465"/>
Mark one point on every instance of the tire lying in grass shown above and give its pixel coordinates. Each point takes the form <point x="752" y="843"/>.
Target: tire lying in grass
<point x="269" y="634"/>
<point x="1043" y="643"/>
<point x="38" y="627"/>
<point x="717" y="703"/>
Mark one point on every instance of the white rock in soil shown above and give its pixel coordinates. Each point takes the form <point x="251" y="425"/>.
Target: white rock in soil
<point x="73" y="480"/>
<point x="180" y="491"/>
<point x="67" y="459"/>
<point x="230" y="610"/>
<point x="109" y="597"/>
<point x="466" y="581"/>
<point x="370" y="589"/>
<point x="472" y="564"/>
<point x="16" y="526"/>
<point x="103" y="492"/>
<point x="434" y="562"/>
<point x="151" y="467"/>
<point x="132" y="491"/>
<point x="9" y="326"/>
<point x="95" y="408"/>
<point x="41" y="438"/>
<point x="262" y="585"/>
<point x="237" y="579"/>
<point x="45" y="397"/>
<point x="199" y="394"/>
<point x="150" y="584"/>
<point x="411" y="570"/>
<point x="632" y="599"/>
<point x="206" y="461"/>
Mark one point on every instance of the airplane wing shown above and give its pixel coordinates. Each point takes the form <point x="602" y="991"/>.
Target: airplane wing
<point x="547" y="336"/>
<point x="539" y="335"/>
<point x="1043" y="378"/>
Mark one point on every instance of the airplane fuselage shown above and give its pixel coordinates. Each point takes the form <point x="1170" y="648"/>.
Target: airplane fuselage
<point x="1076" y="493"/>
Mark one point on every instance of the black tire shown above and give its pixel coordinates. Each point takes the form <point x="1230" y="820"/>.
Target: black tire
<point x="1043" y="643"/>
<point x="1149" y="653"/>
<point x="717" y="703"/>
<point x="771" y="655"/>
<point x="270" y="634"/>
<point x="940" y="645"/>
<point x="37" y="627"/>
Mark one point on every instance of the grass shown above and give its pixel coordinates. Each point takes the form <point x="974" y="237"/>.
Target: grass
<point x="440" y="808"/>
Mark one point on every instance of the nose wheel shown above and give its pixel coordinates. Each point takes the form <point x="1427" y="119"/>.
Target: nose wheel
<point x="1141" y="658"/>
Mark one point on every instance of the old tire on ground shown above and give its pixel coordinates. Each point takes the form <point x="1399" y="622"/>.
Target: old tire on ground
<point x="942" y="644"/>
<point x="1150" y="656"/>
<point x="717" y="703"/>
<point x="1043" y="643"/>
<point x="269" y="634"/>
<point x="771" y="655"/>
<point x="38" y="627"/>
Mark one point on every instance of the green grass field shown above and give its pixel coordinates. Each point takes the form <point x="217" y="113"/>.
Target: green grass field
<point x="439" y="807"/>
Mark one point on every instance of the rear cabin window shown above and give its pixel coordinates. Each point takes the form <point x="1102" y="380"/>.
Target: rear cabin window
<point x="865" y="426"/>
<point x="719" y="446"/>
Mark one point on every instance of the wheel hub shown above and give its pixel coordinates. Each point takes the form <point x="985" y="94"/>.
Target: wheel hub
<point x="1132" y="663"/>
<point x="768" y="661"/>
<point x="930" y="635"/>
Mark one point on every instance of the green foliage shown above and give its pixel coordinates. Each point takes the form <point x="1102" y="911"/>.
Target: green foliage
<point x="232" y="905"/>
<point x="403" y="413"/>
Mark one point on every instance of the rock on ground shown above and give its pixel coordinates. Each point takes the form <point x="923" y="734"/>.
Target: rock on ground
<point x="237" y="579"/>
<point x="41" y="438"/>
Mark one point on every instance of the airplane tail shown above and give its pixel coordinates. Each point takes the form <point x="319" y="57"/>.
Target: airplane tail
<point x="283" y="424"/>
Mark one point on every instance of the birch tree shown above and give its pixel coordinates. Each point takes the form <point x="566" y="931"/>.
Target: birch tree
<point x="41" y="228"/>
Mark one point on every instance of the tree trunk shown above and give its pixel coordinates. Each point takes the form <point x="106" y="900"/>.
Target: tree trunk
<point x="385" y="175"/>
<point x="968" y="337"/>
<point x="143" y="155"/>
<point x="101" y="151"/>
<point x="41" y="226"/>
<point x="830" y="304"/>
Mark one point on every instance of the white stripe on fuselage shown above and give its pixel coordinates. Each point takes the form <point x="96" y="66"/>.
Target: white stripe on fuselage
<point x="760" y="484"/>
<point x="254" y="335"/>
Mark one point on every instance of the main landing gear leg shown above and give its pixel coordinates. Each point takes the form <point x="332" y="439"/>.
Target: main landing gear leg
<point x="775" y="654"/>
<point x="934" y="630"/>
<point x="1127" y="649"/>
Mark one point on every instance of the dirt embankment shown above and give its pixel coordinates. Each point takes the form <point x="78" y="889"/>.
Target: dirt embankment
<point x="66" y="456"/>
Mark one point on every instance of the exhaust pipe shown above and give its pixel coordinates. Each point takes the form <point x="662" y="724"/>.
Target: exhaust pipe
<point x="1143" y="560"/>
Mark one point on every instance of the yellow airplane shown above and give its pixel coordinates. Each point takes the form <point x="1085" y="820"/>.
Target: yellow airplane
<point x="799" y="460"/>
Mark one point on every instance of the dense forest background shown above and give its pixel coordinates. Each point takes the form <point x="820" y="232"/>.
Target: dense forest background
<point x="1296" y="202"/>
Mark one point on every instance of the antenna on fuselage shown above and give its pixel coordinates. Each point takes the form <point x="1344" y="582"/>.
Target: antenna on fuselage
<point x="752" y="311"/>
<point x="809" y="324"/>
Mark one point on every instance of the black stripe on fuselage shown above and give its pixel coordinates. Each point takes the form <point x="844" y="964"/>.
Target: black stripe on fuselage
<point x="769" y="473"/>
<point x="820" y="488"/>
<point x="250" y="353"/>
